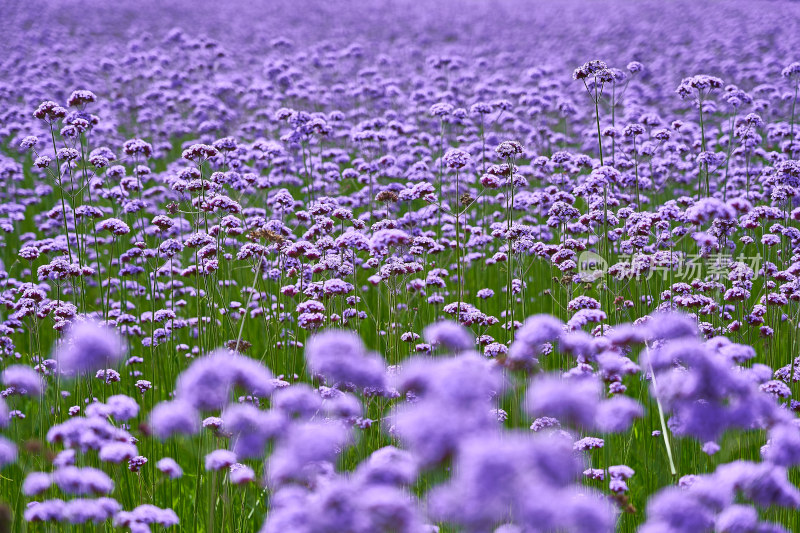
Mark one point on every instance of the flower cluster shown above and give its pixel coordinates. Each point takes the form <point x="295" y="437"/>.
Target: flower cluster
<point x="342" y="270"/>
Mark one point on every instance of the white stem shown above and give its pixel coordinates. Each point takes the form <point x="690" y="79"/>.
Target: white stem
<point x="664" y="431"/>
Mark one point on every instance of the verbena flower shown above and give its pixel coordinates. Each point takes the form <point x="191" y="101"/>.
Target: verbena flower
<point x="340" y="357"/>
<point x="87" y="347"/>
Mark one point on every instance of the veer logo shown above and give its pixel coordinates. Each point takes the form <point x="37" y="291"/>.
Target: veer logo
<point x="591" y="266"/>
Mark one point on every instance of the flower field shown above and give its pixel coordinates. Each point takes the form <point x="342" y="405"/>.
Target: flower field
<point x="400" y="267"/>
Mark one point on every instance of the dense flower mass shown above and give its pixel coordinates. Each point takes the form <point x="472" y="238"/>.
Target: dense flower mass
<point x="405" y="267"/>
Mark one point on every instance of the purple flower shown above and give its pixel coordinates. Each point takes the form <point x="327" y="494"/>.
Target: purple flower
<point x="29" y="142"/>
<point x="710" y="448"/>
<point x="618" y="486"/>
<point x="303" y="448"/>
<point x="447" y="411"/>
<point x="620" y="472"/>
<point x="88" y="347"/>
<point x="670" y="326"/>
<point x="783" y="446"/>
<point x="672" y="509"/>
<point x="241" y="474"/>
<point x="209" y="381"/>
<point x="341" y="505"/>
<point x="340" y="357"/>
<point x="74" y="480"/>
<point x="136" y="463"/>
<point x="571" y="401"/>
<point x="23" y="379"/>
<point x="528" y="341"/>
<point x="456" y="159"/>
<point x="36" y="482"/>
<point x="168" y="418"/>
<point x="450" y="335"/>
<point x="145" y="515"/>
<point x="82" y="510"/>
<point x="298" y="401"/>
<point x="597" y="474"/>
<point x="250" y="428"/>
<point x="199" y="152"/>
<point x="219" y="459"/>
<point x="389" y="466"/>
<point x="117" y="452"/>
<point x="169" y="467"/>
<point x="588" y="443"/>
<point x="46" y="511"/>
<point x="113" y="225"/>
<point x="617" y="414"/>
<point x="80" y="98"/>
<point x="495" y="478"/>
<point x="738" y="518"/>
<point x="705" y="393"/>
<point x="384" y="239"/>
<point x="508" y="149"/>
<point x="545" y="422"/>
<point x="8" y="452"/>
